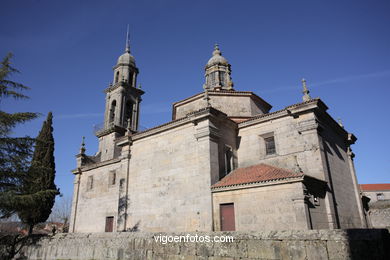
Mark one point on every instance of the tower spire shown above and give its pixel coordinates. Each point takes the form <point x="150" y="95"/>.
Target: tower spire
<point x="127" y="40"/>
<point x="306" y="96"/>
<point x="82" y="148"/>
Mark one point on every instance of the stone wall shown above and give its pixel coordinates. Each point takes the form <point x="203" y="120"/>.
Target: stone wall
<point x="314" y="244"/>
<point x="379" y="214"/>
<point x="233" y="104"/>
<point x="268" y="207"/>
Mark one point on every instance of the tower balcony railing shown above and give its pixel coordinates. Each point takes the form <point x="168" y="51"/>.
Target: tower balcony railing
<point x="100" y="128"/>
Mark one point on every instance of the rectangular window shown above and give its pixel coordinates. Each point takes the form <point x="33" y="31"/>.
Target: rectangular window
<point x="380" y="196"/>
<point x="109" y="224"/>
<point x="112" y="178"/>
<point x="270" y="145"/>
<point x="90" y="183"/>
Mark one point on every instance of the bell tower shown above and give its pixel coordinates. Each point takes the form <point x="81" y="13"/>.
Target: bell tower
<point x="123" y="100"/>
<point x="122" y="96"/>
<point x="217" y="72"/>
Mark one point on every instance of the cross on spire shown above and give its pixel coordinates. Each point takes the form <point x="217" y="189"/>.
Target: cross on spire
<point x="82" y="148"/>
<point x="306" y="96"/>
<point x="127" y="40"/>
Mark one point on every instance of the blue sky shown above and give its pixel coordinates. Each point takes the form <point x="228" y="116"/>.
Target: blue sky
<point x="65" y="51"/>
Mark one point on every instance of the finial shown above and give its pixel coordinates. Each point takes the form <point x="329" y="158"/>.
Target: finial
<point x="139" y="86"/>
<point x="82" y="148"/>
<point x="127" y="40"/>
<point x="306" y="96"/>
<point x="216" y="50"/>
<point x="340" y="123"/>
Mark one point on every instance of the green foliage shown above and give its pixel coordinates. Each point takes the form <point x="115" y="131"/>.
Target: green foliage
<point x="15" y="152"/>
<point x="39" y="182"/>
<point x="26" y="180"/>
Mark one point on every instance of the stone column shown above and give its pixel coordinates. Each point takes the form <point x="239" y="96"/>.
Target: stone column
<point x="73" y="215"/>
<point x="134" y="79"/>
<point x="359" y="202"/>
<point x="302" y="214"/>
<point x="107" y="112"/>
<point x="207" y="136"/>
<point x="134" y="116"/>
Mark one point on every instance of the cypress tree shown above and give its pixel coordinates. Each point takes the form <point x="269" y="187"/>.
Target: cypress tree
<point x="39" y="184"/>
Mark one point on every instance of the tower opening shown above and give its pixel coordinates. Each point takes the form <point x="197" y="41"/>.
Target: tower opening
<point x="129" y="111"/>
<point x="117" y="77"/>
<point x="112" y="111"/>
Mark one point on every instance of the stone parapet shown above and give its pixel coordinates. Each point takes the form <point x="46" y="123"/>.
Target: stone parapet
<point x="313" y="244"/>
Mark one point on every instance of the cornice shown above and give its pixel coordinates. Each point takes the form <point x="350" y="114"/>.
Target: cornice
<point x="292" y="110"/>
<point x="192" y="117"/>
<point x="95" y="165"/>
<point x="258" y="184"/>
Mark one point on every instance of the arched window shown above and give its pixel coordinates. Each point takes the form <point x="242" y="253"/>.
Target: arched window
<point x="117" y="77"/>
<point x="222" y="77"/>
<point x="112" y="111"/>
<point x="131" y="79"/>
<point x="212" y="80"/>
<point x="129" y="111"/>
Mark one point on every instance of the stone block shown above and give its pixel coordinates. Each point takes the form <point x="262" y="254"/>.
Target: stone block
<point x="220" y="258"/>
<point x="204" y="249"/>
<point x="316" y="250"/>
<point x="267" y="249"/>
<point x="293" y="250"/>
<point x="187" y="248"/>
<point x="338" y="249"/>
<point x="231" y="249"/>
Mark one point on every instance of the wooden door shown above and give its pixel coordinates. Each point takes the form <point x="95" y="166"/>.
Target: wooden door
<point x="109" y="224"/>
<point x="227" y="217"/>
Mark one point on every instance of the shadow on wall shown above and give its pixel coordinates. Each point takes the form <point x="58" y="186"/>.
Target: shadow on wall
<point x="358" y="245"/>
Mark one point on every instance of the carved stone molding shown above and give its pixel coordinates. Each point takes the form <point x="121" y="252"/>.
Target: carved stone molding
<point x="207" y="131"/>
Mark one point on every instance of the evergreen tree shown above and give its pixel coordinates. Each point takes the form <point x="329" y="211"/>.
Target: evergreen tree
<point x="15" y="152"/>
<point x="39" y="181"/>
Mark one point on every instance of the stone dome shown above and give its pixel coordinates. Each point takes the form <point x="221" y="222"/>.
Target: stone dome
<point x="126" y="58"/>
<point x="217" y="58"/>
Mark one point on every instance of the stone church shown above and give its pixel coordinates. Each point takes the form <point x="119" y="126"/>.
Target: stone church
<point x="224" y="162"/>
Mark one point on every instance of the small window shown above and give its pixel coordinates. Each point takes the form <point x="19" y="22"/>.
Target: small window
<point x="269" y="145"/>
<point x="112" y="178"/>
<point x="380" y="196"/>
<point x="90" y="183"/>
<point x="109" y="224"/>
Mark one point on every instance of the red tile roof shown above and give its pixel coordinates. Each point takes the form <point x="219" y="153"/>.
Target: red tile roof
<point x="254" y="174"/>
<point x="373" y="187"/>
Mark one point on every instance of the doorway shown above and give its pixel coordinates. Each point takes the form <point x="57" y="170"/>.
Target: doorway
<point x="227" y="217"/>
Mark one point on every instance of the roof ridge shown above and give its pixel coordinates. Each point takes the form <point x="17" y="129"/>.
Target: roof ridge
<point x="257" y="173"/>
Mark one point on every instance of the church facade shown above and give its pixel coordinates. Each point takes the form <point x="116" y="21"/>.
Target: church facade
<point x="224" y="162"/>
